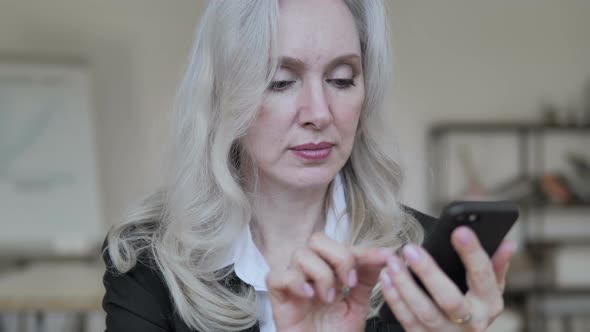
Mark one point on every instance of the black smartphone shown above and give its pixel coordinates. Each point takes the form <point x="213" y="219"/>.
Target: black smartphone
<point x="490" y="221"/>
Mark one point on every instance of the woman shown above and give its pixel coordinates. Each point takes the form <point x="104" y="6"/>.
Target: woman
<point x="281" y="212"/>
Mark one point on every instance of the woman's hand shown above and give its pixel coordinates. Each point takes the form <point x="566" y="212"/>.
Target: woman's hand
<point x="308" y="296"/>
<point x="450" y="310"/>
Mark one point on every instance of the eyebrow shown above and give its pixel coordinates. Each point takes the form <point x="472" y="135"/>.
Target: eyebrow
<point x="297" y="64"/>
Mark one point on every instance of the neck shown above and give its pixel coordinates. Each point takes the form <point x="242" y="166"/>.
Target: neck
<point x="285" y="219"/>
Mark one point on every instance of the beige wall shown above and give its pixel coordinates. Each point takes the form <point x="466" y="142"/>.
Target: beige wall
<point x="455" y="59"/>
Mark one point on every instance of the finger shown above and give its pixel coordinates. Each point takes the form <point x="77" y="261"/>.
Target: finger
<point x="370" y="262"/>
<point x="315" y="269"/>
<point x="371" y="255"/>
<point x="414" y="297"/>
<point x="501" y="261"/>
<point x="397" y="305"/>
<point x="338" y="256"/>
<point x="480" y="274"/>
<point x="283" y="284"/>
<point x="443" y="290"/>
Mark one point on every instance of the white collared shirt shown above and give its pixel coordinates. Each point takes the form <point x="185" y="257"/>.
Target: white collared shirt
<point x="251" y="267"/>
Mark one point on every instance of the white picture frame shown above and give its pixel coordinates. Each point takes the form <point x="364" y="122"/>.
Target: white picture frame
<point x="49" y="193"/>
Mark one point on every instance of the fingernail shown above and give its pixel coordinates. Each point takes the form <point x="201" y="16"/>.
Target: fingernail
<point x="394" y="264"/>
<point x="387" y="287"/>
<point x="463" y="235"/>
<point x="411" y="253"/>
<point x="385" y="280"/>
<point x="331" y="295"/>
<point x="307" y="289"/>
<point x="352" y="278"/>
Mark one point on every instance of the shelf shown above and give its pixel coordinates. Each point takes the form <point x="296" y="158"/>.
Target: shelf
<point x="556" y="206"/>
<point x="580" y="205"/>
<point x="525" y="204"/>
<point x="503" y="127"/>
<point x="546" y="289"/>
<point x="549" y="242"/>
<point x="545" y="242"/>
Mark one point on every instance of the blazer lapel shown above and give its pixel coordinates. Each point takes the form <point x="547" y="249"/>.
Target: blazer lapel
<point x="235" y="284"/>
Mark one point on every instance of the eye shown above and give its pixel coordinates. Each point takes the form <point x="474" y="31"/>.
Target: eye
<point x="341" y="83"/>
<point x="279" y="86"/>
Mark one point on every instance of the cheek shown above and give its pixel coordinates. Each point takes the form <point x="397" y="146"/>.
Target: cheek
<point x="267" y="135"/>
<point x="349" y="115"/>
<point x="276" y="111"/>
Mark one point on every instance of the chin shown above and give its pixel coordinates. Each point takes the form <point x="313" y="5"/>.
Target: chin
<point x="311" y="177"/>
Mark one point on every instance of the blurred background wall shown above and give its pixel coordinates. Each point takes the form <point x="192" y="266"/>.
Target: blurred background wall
<point x="455" y="60"/>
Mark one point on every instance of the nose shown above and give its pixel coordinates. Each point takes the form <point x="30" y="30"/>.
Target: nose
<point x="314" y="110"/>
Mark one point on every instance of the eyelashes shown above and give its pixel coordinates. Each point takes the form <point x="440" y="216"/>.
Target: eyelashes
<point x="280" y="86"/>
<point x="339" y="83"/>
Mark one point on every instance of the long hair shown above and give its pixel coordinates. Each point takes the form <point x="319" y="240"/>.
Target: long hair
<point x="188" y="227"/>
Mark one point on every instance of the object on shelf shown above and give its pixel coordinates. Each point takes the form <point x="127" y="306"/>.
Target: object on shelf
<point x="580" y="164"/>
<point x="550" y="190"/>
<point x="519" y="188"/>
<point x="473" y="189"/>
<point x="575" y="117"/>
<point x="550" y="115"/>
<point x="579" y="179"/>
<point x="580" y="186"/>
<point x="570" y="117"/>
<point x="556" y="189"/>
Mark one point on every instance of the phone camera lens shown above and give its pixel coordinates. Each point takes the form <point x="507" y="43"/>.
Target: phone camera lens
<point x="461" y="218"/>
<point x="473" y="217"/>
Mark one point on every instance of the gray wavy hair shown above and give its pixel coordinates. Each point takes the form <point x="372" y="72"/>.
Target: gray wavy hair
<point x="188" y="226"/>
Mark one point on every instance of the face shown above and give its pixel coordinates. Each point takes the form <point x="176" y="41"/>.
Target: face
<point x="305" y="128"/>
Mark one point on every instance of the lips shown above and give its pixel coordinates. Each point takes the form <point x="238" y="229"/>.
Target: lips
<point x="313" y="152"/>
<point x="313" y="146"/>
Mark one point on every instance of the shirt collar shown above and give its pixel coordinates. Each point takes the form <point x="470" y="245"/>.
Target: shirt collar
<point x="249" y="264"/>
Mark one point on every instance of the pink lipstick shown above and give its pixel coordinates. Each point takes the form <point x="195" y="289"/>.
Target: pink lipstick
<point x="312" y="151"/>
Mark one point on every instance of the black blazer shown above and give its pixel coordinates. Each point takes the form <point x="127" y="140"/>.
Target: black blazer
<point x="139" y="300"/>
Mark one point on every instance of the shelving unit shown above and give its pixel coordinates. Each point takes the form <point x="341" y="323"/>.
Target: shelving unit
<point x="530" y="297"/>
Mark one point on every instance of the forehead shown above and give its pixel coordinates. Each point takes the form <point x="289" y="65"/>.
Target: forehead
<point x="316" y="31"/>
